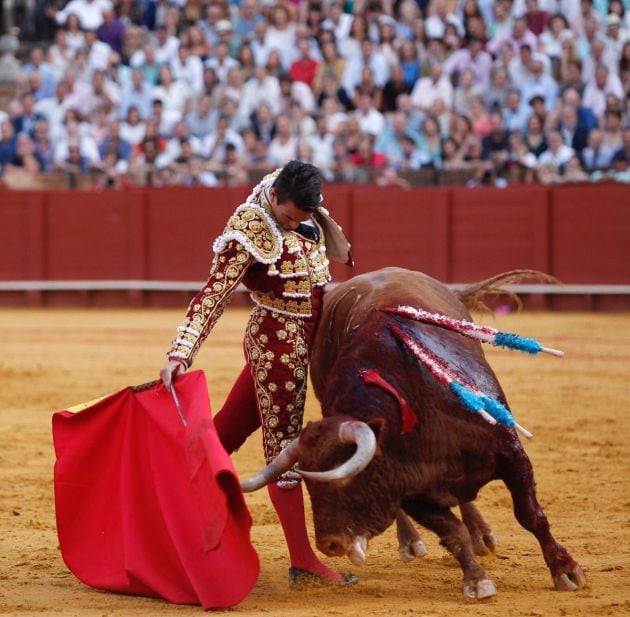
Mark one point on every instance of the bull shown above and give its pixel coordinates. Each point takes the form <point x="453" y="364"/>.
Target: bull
<point x="367" y="465"/>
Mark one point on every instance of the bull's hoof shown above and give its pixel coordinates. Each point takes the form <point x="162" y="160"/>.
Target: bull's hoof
<point x="480" y="590"/>
<point x="298" y="577"/>
<point x="570" y="581"/>
<point x="484" y="544"/>
<point x="412" y="550"/>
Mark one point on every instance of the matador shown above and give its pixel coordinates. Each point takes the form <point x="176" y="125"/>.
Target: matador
<point x="278" y="244"/>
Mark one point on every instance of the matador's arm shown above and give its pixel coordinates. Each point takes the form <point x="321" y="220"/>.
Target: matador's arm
<point x="228" y="269"/>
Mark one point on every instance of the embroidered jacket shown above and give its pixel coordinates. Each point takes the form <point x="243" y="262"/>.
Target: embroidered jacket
<point x="279" y="267"/>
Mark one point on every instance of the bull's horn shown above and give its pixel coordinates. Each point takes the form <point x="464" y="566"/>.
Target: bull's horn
<point x="283" y="462"/>
<point x="351" y="431"/>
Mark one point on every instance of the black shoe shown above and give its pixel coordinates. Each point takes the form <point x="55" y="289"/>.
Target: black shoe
<point x="299" y="576"/>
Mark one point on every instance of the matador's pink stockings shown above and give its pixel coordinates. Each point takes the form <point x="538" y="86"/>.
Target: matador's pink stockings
<point x="237" y="420"/>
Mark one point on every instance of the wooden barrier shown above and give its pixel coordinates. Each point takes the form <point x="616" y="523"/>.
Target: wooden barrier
<point x="579" y="234"/>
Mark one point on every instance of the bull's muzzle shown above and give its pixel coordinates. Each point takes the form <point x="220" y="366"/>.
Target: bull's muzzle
<point x="337" y="546"/>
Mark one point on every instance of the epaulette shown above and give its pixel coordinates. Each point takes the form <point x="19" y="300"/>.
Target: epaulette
<point x="255" y="230"/>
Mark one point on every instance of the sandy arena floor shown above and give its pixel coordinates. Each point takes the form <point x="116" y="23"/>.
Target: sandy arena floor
<point x="577" y="407"/>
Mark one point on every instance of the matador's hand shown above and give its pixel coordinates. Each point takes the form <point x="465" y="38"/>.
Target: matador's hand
<point x="170" y="370"/>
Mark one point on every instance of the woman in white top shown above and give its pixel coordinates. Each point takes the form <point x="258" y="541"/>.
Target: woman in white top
<point x="133" y="129"/>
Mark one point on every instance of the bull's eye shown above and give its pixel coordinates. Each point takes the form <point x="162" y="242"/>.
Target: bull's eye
<point x="333" y="546"/>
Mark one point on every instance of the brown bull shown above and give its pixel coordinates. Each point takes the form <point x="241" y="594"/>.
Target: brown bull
<point x="375" y="463"/>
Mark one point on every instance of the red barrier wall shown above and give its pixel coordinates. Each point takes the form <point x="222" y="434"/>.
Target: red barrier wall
<point x="581" y="234"/>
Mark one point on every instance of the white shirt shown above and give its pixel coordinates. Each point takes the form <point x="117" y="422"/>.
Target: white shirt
<point x="373" y="122"/>
<point x="89" y="12"/>
<point x="425" y="92"/>
<point x="561" y="157"/>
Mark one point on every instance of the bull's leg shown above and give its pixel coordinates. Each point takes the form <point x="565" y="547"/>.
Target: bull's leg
<point x="455" y="538"/>
<point x="481" y="534"/>
<point x="410" y="543"/>
<point x="517" y="473"/>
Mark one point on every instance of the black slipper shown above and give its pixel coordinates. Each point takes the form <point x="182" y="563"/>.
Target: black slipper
<point x="299" y="576"/>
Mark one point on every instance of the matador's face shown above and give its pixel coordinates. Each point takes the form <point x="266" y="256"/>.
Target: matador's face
<point x="287" y="214"/>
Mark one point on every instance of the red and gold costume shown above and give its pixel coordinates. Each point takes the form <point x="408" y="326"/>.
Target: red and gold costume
<point x="286" y="273"/>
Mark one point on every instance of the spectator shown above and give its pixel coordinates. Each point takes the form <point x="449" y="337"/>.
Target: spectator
<point x="247" y="19"/>
<point x="501" y="22"/>
<point x="599" y="55"/>
<point x="368" y="87"/>
<point x="214" y="144"/>
<point x="541" y="84"/>
<point x="391" y="142"/>
<point x="439" y="18"/>
<point x="282" y="32"/>
<point x="60" y="54"/>
<point x="75" y="160"/>
<point x="538" y="107"/>
<point x="321" y="144"/>
<point x="597" y="89"/>
<point x="470" y="58"/>
<point x="624" y="67"/>
<point x="38" y="64"/>
<point x="136" y="93"/>
<point x="97" y="52"/>
<point x="366" y="157"/>
<point x="394" y="86"/>
<point x="612" y="129"/>
<point x="558" y="153"/>
<point x="370" y="119"/>
<point x="495" y="95"/>
<point x="572" y="132"/>
<point x="303" y="124"/>
<point x="622" y="155"/>
<point x="616" y="36"/>
<point x="54" y="108"/>
<point x="553" y="36"/>
<point x="305" y="67"/>
<point x="368" y="57"/>
<point x="188" y="68"/>
<point x="283" y="147"/>
<point x="88" y="12"/>
<point x="246" y="61"/>
<point x="596" y="155"/>
<point x="112" y="30"/>
<point x="114" y="144"/>
<point x="431" y="141"/>
<point x="519" y="153"/>
<point x="173" y="94"/>
<point x="8" y="143"/>
<point x="571" y="77"/>
<point x="27" y="119"/>
<point x="460" y="129"/>
<point x="133" y="129"/>
<point x="479" y="117"/>
<point x="427" y="89"/>
<point x="496" y="143"/>
<point x="536" y="18"/>
<point x="518" y="36"/>
<point x="44" y="149"/>
<point x="26" y="157"/>
<point x="515" y="112"/>
<point x="465" y="93"/>
<point x="534" y="136"/>
<point x="573" y="171"/>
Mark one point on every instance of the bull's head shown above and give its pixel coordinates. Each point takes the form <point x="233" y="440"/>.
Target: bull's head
<point x="334" y="457"/>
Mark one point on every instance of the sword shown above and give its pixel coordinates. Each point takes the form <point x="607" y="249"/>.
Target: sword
<point x="182" y="417"/>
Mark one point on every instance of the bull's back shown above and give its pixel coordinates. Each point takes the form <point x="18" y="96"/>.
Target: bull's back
<point x="348" y="305"/>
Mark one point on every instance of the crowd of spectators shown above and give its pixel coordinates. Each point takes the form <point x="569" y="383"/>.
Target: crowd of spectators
<point x="207" y="92"/>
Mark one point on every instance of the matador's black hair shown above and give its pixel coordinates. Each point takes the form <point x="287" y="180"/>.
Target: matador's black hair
<point x="301" y="183"/>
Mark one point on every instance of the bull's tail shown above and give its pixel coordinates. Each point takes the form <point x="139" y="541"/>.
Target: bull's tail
<point x="474" y="297"/>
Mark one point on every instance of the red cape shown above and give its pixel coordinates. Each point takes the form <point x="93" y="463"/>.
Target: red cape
<point x="148" y="506"/>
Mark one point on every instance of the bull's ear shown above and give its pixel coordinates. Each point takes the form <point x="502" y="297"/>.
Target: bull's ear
<point x="378" y="426"/>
